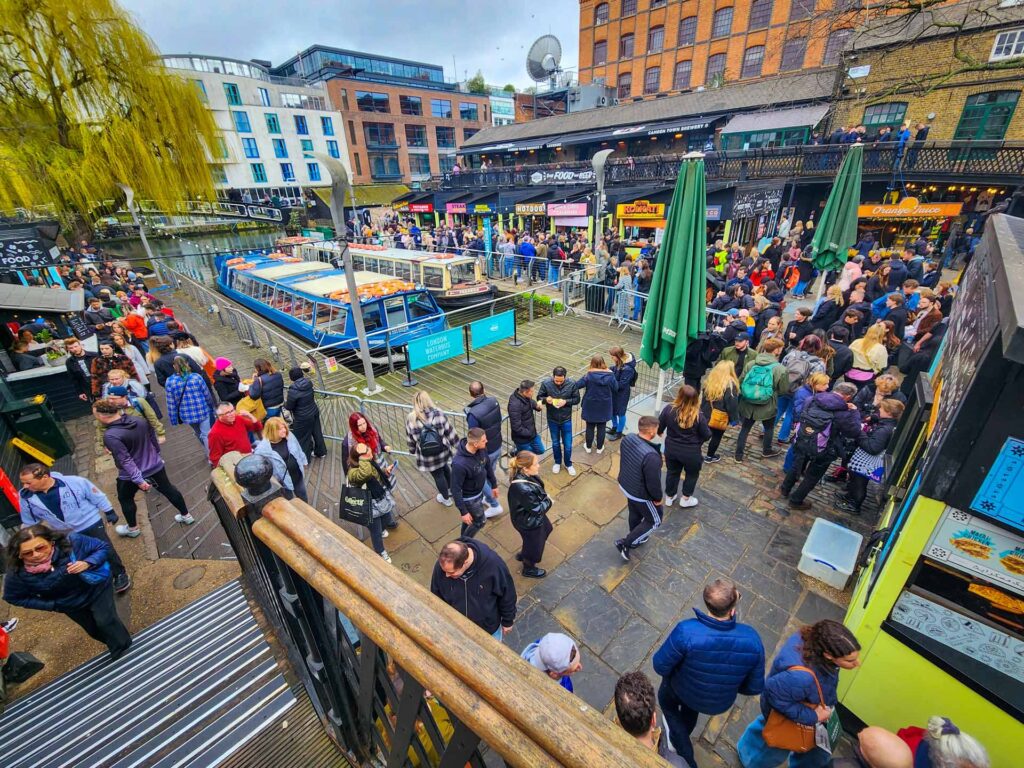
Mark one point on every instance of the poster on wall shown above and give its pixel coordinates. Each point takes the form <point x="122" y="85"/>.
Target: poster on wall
<point x="754" y="202"/>
<point x="979" y="547"/>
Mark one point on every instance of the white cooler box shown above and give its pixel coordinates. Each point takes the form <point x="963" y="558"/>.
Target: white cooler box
<point x="830" y="553"/>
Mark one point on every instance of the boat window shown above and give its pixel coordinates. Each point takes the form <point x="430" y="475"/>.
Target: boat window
<point x="336" y="322"/>
<point x="323" y="256"/>
<point x="284" y="302"/>
<point x="403" y="270"/>
<point x="395" y="308"/>
<point x="357" y="259"/>
<point x="267" y="294"/>
<point x="463" y="273"/>
<point x="323" y="315"/>
<point x="370" y="263"/>
<point x="372" y="319"/>
<point x="255" y="290"/>
<point x="433" y="277"/>
<point x="302" y="310"/>
<point x="420" y="306"/>
<point x="387" y="266"/>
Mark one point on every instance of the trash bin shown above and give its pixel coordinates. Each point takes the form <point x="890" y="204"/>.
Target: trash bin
<point x="34" y="419"/>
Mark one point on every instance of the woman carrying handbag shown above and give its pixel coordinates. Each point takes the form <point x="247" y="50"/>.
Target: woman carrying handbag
<point x="720" y="405"/>
<point x="799" y="696"/>
<point x="364" y="472"/>
<point x="528" y="505"/>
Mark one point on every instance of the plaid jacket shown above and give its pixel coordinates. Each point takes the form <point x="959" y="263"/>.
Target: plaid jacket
<point x="444" y="428"/>
<point x="188" y="399"/>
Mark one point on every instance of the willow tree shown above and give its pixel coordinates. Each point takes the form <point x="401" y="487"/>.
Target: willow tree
<point x="85" y="105"/>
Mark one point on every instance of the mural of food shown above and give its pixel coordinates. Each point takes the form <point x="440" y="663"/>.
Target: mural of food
<point x="972" y="543"/>
<point x="998" y="598"/>
<point x="1013" y="560"/>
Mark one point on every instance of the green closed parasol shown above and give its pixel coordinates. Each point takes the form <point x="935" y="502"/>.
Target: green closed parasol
<point x="836" y="233"/>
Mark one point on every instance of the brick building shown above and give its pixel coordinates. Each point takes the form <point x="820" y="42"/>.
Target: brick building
<point x="647" y="47"/>
<point x="403" y="121"/>
<point x="897" y="73"/>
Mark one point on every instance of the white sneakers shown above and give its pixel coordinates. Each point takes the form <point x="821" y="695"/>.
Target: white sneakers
<point x="384" y="534"/>
<point x="571" y="471"/>
<point x="385" y="556"/>
<point x="556" y="468"/>
<point x="670" y="500"/>
<point x="186" y="519"/>
<point x="493" y="511"/>
<point x="126" y="532"/>
<point x="600" y="450"/>
<point x="588" y="449"/>
<point x="442" y="500"/>
<point x="688" y="501"/>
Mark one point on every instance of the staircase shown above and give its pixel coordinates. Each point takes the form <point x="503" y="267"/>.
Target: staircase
<point x="197" y="688"/>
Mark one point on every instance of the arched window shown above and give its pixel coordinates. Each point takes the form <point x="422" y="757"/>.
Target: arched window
<point x="793" y="54"/>
<point x="601" y="13"/>
<point x="655" y="39"/>
<point x="721" y="25"/>
<point x="681" y="76"/>
<point x="652" y="80"/>
<point x="600" y="52"/>
<point x="625" y="89"/>
<point x="760" y="14"/>
<point x="753" y="59"/>
<point x="687" y="31"/>
<point x="626" y="47"/>
<point x="716" y="67"/>
<point x="801" y="9"/>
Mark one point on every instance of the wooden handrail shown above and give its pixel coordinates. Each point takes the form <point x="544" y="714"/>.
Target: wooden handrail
<point x="521" y="713"/>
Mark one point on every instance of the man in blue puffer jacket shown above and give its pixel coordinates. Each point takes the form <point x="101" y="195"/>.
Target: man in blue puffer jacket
<point x="705" y="663"/>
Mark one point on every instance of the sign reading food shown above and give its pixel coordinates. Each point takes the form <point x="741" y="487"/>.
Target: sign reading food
<point x="979" y="547"/>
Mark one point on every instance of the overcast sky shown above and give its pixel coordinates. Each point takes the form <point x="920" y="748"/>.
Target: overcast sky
<point x="490" y="35"/>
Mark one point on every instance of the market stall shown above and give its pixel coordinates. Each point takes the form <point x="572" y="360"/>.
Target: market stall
<point x="904" y="220"/>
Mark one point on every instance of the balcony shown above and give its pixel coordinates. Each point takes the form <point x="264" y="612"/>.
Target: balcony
<point x="385" y="144"/>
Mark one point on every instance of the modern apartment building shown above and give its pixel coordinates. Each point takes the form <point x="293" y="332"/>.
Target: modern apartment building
<point x="645" y="48"/>
<point x="401" y="118"/>
<point x="269" y="126"/>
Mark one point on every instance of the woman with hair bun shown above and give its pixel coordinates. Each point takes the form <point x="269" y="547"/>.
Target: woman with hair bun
<point x="528" y="505"/>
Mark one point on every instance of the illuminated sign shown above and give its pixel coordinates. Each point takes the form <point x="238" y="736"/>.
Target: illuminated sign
<point x="530" y="209"/>
<point x="640" y="209"/>
<point x="455" y="208"/>
<point x="910" y="208"/>
<point x="420" y="208"/>
<point x="481" y="208"/>
<point x="567" y="209"/>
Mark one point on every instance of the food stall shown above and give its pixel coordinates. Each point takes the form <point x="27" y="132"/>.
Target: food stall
<point x="939" y="606"/>
<point x="904" y="220"/>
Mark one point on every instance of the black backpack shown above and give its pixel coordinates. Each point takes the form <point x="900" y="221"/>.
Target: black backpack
<point x="429" y="442"/>
<point x="814" y="433"/>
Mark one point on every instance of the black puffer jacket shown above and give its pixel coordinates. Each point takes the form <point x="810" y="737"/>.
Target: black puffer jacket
<point x="528" y="502"/>
<point x="485" y="413"/>
<point x="270" y="387"/>
<point x="226" y="385"/>
<point x="301" y="401"/>
<point x="521" y="422"/>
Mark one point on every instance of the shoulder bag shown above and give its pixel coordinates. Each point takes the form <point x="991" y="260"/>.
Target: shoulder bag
<point x="719" y="419"/>
<point x="782" y="733"/>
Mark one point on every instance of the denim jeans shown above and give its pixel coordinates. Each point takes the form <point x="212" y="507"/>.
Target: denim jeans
<point x="801" y="288"/>
<point x="609" y="303"/>
<point x="561" y="441"/>
<point x="202" y="430"/>
<point x="619" y="423"/>
<point x="492" y="459"/>
<point x="533" y="446"/>
<point x="784" y="416"/>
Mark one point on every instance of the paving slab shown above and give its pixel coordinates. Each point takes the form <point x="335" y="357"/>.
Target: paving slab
<point x="432" y="520"/>
<point x="594" y="496"/>
<point x="416" y="560"/>
<point x="572" y="533"/>
<point x="591" y="615"/>
<point x="630" y="647"/>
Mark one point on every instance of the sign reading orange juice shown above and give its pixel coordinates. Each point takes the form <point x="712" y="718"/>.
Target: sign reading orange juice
<point x="909" y="208"/>
<point x="640" y="209"/>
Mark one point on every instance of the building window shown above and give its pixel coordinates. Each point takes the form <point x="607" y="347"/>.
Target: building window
<point x="332" y="148"/>
<point x="233" y="96"/>
<point x="307" y="147"/>
<point x="368" y="101"/>
<point x="1008" y="45"/>
<point x="419" y="165"/>
<point x="681" y="77"/>
<point x="259" y="173"/>
<point x="314" y="171"/>
<point x="625" y="85"/>
<point x="222" y="148"/>
<point x="410" y="105"/>
<point x="300" y="125"/>
<point x="446" y="163"/>
<point x="687" y="31"/>
<point x="469" y="133"/>
<point x="793" y="54"/>
<point x="628" y="7"/>
<point x="885" y="114"/>
<point x="250" y="148"/>
<point x="721" y="25"/>
<point x="760" y="14"/>
<point x="753" y="58"/>
<point x="601" y="13"/>
<point x="379" y="135"/>
<point x="242" y="122"/>
<point x="352" y="133"/>
<point x="287" y="172"/>
<point x="716" y="68"/>
<point x="280" y="148"/>
<point x="327" y="125"/>
<point x="291" y="100"/>
<point x="658" y="3"/>
<point x="834" y="47"/>
<point x="385" y="166"/>
<point x="600" y="52"/>
<point x="201" y="88"/>
<point x="273" y="125"/>
<point x="655" y="39"/>
<point x="445" y="136"/>
<point x="358" y="162"/>
<point x="652" y="79"/>
<point x="441" y="108"/>
<point x="801" y="9"/>
<point x="264" y="96"/>
<point x="987" y="115"/>
<point x="344" y="99"/>
<point x="220" y="176"/>
<point x="626" y="47"/>
<point x="469" y="111"/>
<point x="415" y="135"/>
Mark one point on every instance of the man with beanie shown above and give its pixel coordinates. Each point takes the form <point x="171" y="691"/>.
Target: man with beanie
<point x="301" y="403"/>
<point x="556" y="655"/>
<point x="230" y="432"/>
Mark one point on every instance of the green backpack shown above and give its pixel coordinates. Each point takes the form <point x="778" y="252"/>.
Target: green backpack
<point x="758" y="385"/>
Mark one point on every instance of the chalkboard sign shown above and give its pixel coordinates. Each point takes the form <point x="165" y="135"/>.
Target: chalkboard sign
<point x="754" y="202"/>
<point x="80" y="328"/>
<point x="24" y="248"/>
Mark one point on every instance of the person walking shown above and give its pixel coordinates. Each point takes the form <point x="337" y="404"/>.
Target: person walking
<point x="799" y="363"/>
<point x="136" y="452"/>
<point x="226" y="381"/>
<point x="764" y="379"/>
<point x="560" y="394"/>
<point x="720" y="404"/>
<point x="432" y="441"/>
<point x="640" y="483"/>
<point x="801" y="687"/>
<point x="528" y="505"/>
<point x="232" y="431"/>
<point x="637" y="712"/>
<point x="471" y="578"/>
<point x="483" y="412"/>
<point x="189" y="400"/>
<point x="286" y="455"/>
<point x="364" y="472"/>
<point x="521" y="422"/>
<point x="267" y="385"/>
<point x="66" y="573"/>
<point x="69" y="504"/>
<point x="306" y="423"/>
<point x="624" y="369"/>
<point x="705" y="663"/>
<point x="132" y="405"/>
<point x="109" y="359"/>
<point x="601" y="386"/>
<point x="826" y="417"/>
<point x="687" y="430"/>
<point x="472" y="474"/>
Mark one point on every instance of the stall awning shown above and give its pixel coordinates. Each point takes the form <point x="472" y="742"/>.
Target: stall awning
<point x="22" y="298"/>
<point x="617" y="196"/>
<point x="507" y="200"/>
<point x="509" y="146"/>
<point x="800" y="117"/>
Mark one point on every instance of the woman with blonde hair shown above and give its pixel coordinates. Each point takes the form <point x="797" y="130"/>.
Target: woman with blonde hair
<point x="873" y="393"/>
<point x="432" y="442"/>
<point x="528" y="505"/>
<point x="282" y="448"/>
<point x="687" y="430"/>
<point x="870" y="356"/>
<point x="773" y="329"/>
<point x="720" y="405"/>
<point x="830" y="309"/>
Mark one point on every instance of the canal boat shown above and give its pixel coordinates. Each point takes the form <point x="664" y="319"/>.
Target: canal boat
<point x="454" y="281"/>
<point x="311" y="299"/>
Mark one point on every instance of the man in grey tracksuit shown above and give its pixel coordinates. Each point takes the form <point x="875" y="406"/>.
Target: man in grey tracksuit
<point x="640" y="483"/>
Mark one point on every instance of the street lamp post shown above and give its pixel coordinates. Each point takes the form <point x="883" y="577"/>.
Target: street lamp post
<point x="600" y="158"/>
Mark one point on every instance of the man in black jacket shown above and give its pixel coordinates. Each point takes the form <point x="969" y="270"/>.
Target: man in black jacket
<point x="798" y="327"/>
<point x="560" y="394"/>
<point x="471" y="473"/>
<point x="521" y="423"/>
<point x="897" y="313"/>
<point x="99" y="317"/>
<point x="471" y="578"/>
<point x="305" y="414"/>
<point x="484" y="413"/>
<point x="79" y="365"/>
<point x="839" y="339"/>
<point x="640" y="483"/>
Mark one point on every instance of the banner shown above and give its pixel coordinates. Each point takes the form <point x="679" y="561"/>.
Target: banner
<point x="420" y="208"/>
<point x="492" y="329"/>
<point x="531" y="209"/>
<point x="575" y="176"/>
<point x="909" y="208"/>
<point x="434" y="348"/>
<point x="640" y="209"/>
<point x="455" y="208"/>
<point x="482" y="208"/>
<point x="713" y="213"/>
<point x="567" y="209"/>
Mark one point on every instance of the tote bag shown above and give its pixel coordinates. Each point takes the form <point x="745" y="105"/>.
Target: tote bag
<point x="356" y="505"/>
<point x="782" y="733"/>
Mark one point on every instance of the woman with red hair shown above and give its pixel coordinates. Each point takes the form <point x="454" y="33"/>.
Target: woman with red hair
<point x="361" y="430"/>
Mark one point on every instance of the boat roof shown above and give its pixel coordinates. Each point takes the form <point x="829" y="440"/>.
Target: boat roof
<point x="325" y="286"/>
<point x="279" y="271"/>
<point x="400" y="253"/>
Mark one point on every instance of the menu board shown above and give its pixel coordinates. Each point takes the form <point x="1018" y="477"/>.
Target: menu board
<point x="25" y="248"/>
<point x="753" y="202"/>
<point x="979" y="547"/>
<point x="1001" y="495"/>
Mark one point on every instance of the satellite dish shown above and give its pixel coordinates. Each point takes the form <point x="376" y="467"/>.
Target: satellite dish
<point x="544" y="57"/>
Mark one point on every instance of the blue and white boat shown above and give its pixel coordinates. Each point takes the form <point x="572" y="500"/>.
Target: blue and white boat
<point x="311" y="299"/>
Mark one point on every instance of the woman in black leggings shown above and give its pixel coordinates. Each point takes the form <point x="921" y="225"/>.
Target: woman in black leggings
<point x="720" y="405"/>
<point x="687" y="430"/>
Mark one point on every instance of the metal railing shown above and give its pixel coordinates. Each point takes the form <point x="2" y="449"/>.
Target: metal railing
<point x="993" y="161"/>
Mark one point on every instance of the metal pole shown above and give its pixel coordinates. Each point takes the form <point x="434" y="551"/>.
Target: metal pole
<point x="600" y="158"/>
<point x="129" y="195"/>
